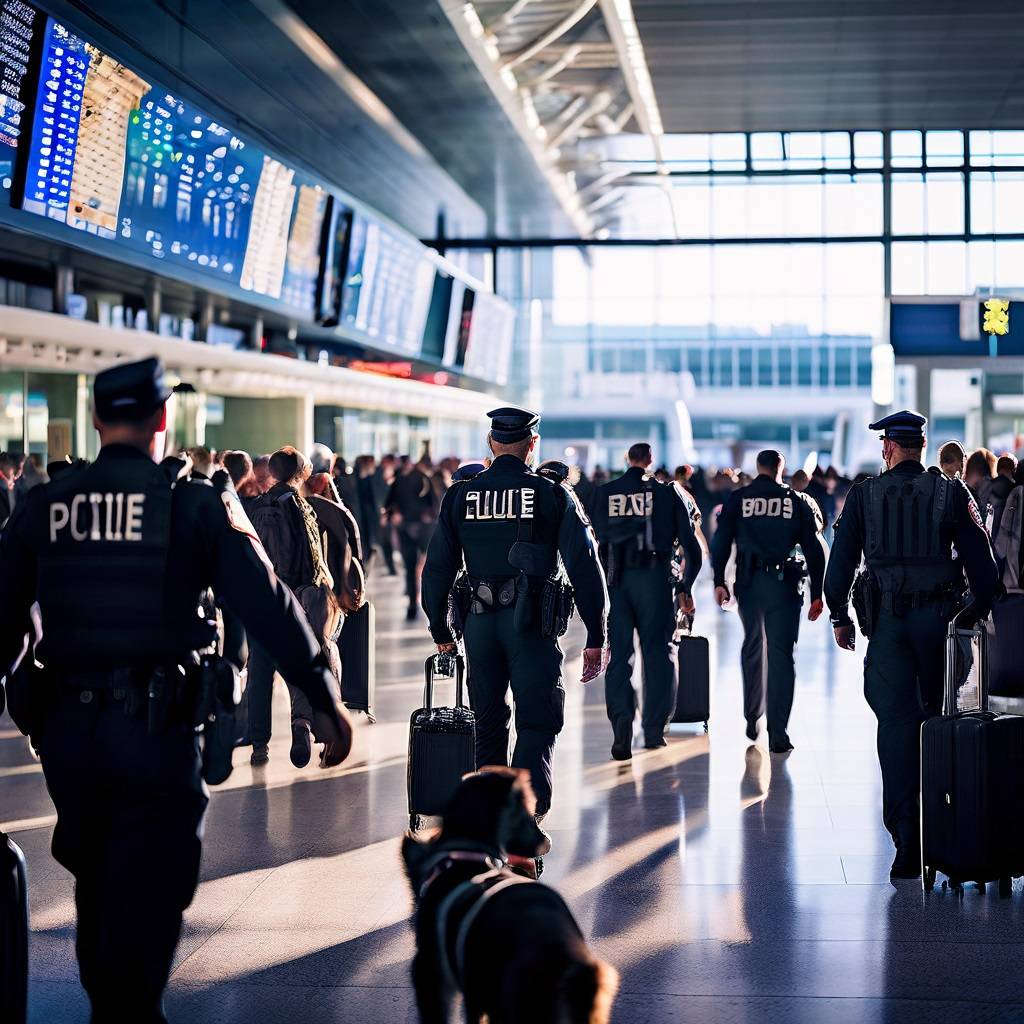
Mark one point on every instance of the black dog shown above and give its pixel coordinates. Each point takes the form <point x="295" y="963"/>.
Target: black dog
<point x="510" y="945"/>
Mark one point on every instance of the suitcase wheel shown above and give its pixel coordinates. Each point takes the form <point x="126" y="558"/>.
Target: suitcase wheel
<point x="929" y="880"/>
<point x="1005" y="888"/>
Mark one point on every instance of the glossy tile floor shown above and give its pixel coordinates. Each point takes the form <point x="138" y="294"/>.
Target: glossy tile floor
<point x="726" y="885"/>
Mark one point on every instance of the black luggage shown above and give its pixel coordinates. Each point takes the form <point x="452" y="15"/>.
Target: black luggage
<point x="13" y="933"/>
<point x="442" y="742"/>
<point x="972" y="777"/>
<point x="357" y="648"/>
<point x="693" y="696"/>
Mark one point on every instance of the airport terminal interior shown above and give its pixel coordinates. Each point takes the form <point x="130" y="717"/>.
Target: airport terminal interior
<point x="719" y="229"/>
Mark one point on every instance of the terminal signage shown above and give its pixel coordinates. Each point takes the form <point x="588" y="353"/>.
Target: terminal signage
<point x="20" y="26"/>
<point x="92" y="144"/>
<point x="922" y="329"/>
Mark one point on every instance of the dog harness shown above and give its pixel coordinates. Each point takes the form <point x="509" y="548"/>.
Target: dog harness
<point x="479" y="889"/>
<point x="486" y="885"/>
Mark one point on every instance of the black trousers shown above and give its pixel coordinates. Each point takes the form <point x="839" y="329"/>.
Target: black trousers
<point x="641" y="603"/>
<point x="903" y="682"/>
<point x="770" y="611"/>
<point x="259" y="697"/>
<point x="130" y="809"/>
<point x="500" y="658"/>
<point x="413" y="545"/>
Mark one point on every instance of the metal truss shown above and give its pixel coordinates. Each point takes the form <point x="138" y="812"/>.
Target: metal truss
<point x="566" y="71"/>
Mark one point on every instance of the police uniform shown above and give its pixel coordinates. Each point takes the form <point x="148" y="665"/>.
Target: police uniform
<point x="639" y="522"/>
<point x="510" y="528"/>
<point x="118" y="555"/>
<point x="767" y="521"/>
<point x="906" y="522"/>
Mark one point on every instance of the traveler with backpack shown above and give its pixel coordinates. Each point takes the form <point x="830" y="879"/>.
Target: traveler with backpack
<point x="294" y="540"/>
<point x="1006" y="677"/>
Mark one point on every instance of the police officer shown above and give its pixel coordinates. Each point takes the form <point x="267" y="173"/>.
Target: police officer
<point x="639" y="523"/>
<point x="905" y="522"/>
<point x="767" y="521"/>
<point x="511" y="528"/>
<point x="118" y="555"/>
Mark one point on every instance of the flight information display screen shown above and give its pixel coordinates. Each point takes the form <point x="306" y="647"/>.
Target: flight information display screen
<point x="88" y="142"/>
<point x="388" y="286"/>
<point x="58" y="111"/>
<point x="190" y="187"/>
<point x="488" y="353"/>
<point x="20" y="26"/>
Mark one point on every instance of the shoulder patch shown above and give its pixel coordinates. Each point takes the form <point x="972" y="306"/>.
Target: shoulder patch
<point x="239" y="521"/>
<point x="972" y="507"/>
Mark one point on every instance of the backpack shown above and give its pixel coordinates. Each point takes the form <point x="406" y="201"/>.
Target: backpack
<point x="1007" y="541"/>
<point x="288" y="528"/>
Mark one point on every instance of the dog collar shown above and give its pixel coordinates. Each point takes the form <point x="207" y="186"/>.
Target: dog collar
<point x="445" y="859"/>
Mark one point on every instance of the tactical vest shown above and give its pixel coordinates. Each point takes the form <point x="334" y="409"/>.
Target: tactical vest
<point x="102" y="565"/>
<point x="768" y="527"/>
<point x="903" y="546"/>
<point x="506" y="527"/>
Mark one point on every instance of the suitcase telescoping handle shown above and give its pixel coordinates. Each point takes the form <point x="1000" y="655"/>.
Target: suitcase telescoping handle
<point x="444" y="666"/>
<point x="952" y="674"/>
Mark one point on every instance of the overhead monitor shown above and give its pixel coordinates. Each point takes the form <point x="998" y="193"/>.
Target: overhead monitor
<point x="20" y="29"/>
<point x="388" y="286"/>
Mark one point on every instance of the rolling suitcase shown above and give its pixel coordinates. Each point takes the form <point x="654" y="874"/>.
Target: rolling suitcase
<point x="13" y="933"/>
<point x="972" y="777"/>
<point x="693" y="656"/>
<point x="357" y="650"/>
<point x="442" y="742"/>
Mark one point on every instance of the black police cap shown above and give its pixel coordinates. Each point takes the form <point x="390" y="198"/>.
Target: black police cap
<point x="131" y="391"/>
<point x="509" y="424"/>
<point x="905" y="426"/>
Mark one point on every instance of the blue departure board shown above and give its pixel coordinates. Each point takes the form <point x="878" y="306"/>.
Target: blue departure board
<point x="54" y="141"/>
<point x="305" y="241"/>
<point x="20" y="24"/>
<point x="189" y="187"/>
<point x="388" y="286"/>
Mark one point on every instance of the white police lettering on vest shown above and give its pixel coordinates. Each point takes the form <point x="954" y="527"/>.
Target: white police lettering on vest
<point x="90" y="517"/>
<point x="639" y="504"/>
<point x="489" y="505"/>
<point x="774" y="507"/>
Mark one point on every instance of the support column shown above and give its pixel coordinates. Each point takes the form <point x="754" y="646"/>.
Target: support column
<point x="923" y="390"/>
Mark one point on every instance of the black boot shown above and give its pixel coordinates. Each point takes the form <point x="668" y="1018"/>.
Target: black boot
<point x="622" y="730"/>
<point x="907" y="838"/>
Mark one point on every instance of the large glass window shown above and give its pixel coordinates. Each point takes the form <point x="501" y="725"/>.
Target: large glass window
<point x="997" y="202"/>
<point x="928" y="204"/>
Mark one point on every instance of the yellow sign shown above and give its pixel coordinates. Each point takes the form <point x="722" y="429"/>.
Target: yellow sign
<point x="997" y="316"/>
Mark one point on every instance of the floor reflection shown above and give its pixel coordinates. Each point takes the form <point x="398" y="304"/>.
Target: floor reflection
<point x="726" y="884"/>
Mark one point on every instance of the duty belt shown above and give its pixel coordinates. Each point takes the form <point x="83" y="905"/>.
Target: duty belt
<point x="899" y="602"/>
<point x="490" y="594"/>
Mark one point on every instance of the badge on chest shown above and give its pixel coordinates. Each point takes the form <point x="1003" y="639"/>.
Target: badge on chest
<point x="510" y="503"/>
